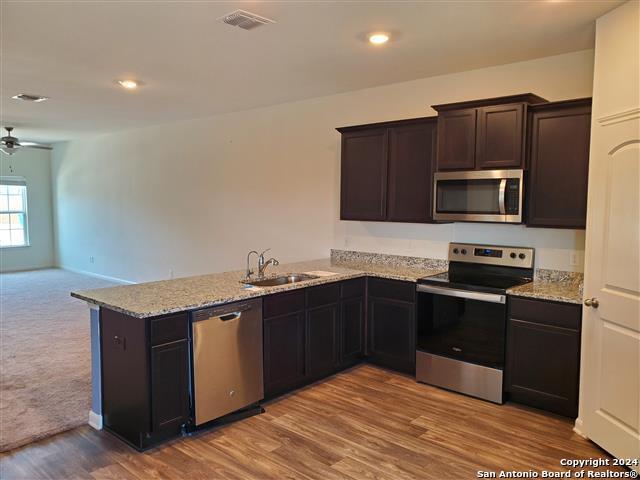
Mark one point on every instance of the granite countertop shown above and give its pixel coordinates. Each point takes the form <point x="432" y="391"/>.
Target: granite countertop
<point x="169" y="296"/>
<point x="549" y="290"/>
<point x="554" y="285"/>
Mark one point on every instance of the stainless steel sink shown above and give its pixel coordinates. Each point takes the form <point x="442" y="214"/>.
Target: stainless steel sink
<point x="282" y="280"/>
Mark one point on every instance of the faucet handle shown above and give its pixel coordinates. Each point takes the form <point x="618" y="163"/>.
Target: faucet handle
<point x="262" y="254"/>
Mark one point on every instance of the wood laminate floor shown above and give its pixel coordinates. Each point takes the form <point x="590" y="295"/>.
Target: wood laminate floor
<point x="365" y="423"/>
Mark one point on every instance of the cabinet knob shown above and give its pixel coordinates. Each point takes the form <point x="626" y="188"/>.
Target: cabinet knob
<point x="592" y="302"/>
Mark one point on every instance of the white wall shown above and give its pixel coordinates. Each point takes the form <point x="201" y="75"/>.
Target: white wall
<point x="194" y="196"/>
<point x="35" y="167"/>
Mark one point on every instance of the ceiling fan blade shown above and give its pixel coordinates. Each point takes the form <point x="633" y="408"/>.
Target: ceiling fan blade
<point x="35" y="145"/>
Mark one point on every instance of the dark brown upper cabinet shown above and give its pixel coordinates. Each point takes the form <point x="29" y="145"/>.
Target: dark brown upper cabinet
<point x="500" y="136"/>
<point x="363" y="181"/>
<point x="483" y="134"/>
<point x="412" y="149"/>
<point x="559" y="164"/>
<point x="387" y="171"/>
<point x="457" y="139"/>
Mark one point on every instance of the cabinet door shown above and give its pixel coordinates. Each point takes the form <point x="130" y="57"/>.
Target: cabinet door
<point x="542" y="366"/>
<point x="363" y="182"/>
<point x="559" y="167"/>
<point x="351" y="330"/>
<point x="170" y="385"/>
<point x="456" y="140"/>
<point x="392" y="334"/>
<point x="500" y="137"/>
<point x="322" y="340"/>
<point x="411" y="159"/>
<point x="284" y="353"/>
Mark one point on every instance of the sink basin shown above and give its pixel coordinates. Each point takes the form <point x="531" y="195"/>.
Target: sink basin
<point x="282" y="280"/>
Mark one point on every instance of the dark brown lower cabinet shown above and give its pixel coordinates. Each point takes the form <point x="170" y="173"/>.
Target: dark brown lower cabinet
<point x="312" y="333"/>
<point x="170" y="385"/>
<point x="145" y="376"/>
<point x="284" y="352"/>
<point x="351" y="331"/>
<point x="543" y="354"/>
<point x="391" y="324"/>
<point x="322" y="340"/>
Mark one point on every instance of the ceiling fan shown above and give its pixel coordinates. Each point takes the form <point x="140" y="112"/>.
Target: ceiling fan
<point x="10" y="145"/>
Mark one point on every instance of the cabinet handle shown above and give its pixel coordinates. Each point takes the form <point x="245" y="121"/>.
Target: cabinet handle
<point x="592" y="302"/>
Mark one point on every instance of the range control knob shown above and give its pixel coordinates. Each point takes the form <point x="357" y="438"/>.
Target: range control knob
<point x="456" y="251"/>
<point x="512" y="254"/>
<point x="522" y="256"/>
<point x="464" y="251"/>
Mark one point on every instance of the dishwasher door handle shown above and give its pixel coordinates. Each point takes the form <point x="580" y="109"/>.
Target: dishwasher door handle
<point x="230" y="316"/>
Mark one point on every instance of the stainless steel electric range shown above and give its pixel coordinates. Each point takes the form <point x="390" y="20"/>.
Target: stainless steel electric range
<point x="462" y="316"/>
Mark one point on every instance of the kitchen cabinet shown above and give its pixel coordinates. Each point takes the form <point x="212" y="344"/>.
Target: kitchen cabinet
<point x="483" y="134"/>
<point x="500" y="137"/>
<point x="322" y="335"/>
<point x="412" y="149"/>
<point x="543" y="354"/>
<point x="322" y="330"/>
<point x="559" y="164"/>
<point x="284" y="340"/>
<point x="145" y="376"/>
<point x="457" y="140"/>
<point x="391" y="324"/>
<point x="352" y="322"/>
<point x="386" y="171"/>
<point x="170" y="385"/>
<point x="363" y="180"/>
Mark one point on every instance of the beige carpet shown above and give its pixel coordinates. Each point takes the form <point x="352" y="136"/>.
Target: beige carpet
<point x="45" y="364"/>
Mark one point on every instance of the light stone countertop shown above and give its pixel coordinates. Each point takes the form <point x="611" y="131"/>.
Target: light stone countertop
<point x="554" y="290"/>
<point x="170" y="296"/>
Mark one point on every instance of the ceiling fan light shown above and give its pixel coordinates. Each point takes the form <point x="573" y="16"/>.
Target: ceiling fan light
<point x="8" y="150"/>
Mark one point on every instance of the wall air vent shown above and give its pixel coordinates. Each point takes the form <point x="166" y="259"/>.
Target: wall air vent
<point x="245" y="20"/>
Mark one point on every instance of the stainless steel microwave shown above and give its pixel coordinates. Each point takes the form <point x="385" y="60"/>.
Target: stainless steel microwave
<point x="478" y="196"/>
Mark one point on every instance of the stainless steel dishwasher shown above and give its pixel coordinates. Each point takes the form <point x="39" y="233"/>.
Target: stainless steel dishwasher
<point x="227" y="359"/>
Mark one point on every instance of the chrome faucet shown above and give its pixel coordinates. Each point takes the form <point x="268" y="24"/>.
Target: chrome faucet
<point x="262" y="265"/>
<point x="249" y="272"/>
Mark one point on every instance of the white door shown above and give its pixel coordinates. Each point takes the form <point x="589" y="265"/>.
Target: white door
<point x="610" y="375"/>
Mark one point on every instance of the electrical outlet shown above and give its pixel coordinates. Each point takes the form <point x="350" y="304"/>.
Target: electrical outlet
<point x="91" y="260"/>
<point x="171" y="274"/>
<point x="574" y="259"/>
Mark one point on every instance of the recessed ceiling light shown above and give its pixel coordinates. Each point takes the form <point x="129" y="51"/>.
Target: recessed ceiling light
<point x="378" y="38"/>
<point x="30" y="98"/>
<point x="129" y="84"/>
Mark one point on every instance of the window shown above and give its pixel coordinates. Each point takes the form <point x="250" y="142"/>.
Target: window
<point x="13" y="213"/>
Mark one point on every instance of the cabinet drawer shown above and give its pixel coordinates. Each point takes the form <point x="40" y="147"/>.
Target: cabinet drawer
<point x="554" y="314"/>
<point x="392" y="289"/>
<point x="352" y="288"/>
<point x="323" y="295"/>
<point x="168" y="329"/>
<point x="283" y="303"/>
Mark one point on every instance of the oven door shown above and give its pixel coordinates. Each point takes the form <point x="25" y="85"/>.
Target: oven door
<point x="478" y="196"/>
<point x="461" y="324"/>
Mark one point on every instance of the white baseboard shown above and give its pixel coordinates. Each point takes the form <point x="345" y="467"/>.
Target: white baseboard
<point x="95" y="420"/>
<point x="27" y="269"/>
<point x="578" y="428"/>
<point x="97" y="275"/>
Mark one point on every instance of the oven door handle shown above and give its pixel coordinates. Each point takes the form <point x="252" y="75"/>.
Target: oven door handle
<point x="452" y="292"/>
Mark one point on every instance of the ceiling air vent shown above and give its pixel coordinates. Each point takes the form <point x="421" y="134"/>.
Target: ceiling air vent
<point x="30" y="98"/>
<point x="245" y="20"/>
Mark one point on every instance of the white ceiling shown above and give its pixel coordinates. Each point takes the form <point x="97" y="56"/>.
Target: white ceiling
<point x="195" y="66"/>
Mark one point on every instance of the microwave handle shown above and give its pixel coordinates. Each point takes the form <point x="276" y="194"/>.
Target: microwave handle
<point x="501" y="196"/>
